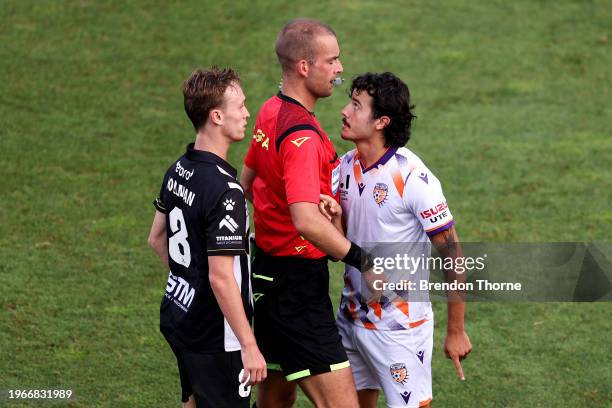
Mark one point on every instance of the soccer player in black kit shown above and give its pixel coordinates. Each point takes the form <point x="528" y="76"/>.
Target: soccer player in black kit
<point x="200" y="232"/>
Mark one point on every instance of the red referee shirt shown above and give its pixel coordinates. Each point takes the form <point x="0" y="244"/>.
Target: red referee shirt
<point x="294" y="161"/>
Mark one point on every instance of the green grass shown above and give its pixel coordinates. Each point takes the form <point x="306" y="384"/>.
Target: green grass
<point x="513" y="103"/>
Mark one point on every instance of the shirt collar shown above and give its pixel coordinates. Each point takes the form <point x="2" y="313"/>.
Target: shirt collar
<point x="208" y="157"/>
<point x="289" y="99"/>
<point x="382" y="161"/>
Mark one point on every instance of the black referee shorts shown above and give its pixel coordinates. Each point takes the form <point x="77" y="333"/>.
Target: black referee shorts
<point x="211" y="378"/>
<point x="294" y="319"/>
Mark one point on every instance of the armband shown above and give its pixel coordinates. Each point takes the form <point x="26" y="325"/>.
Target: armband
<point x="358" y="258"/>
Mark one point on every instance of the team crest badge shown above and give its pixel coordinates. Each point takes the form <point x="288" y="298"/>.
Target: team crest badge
<point x="399" y="373"/>
<point x="380" y="193"/>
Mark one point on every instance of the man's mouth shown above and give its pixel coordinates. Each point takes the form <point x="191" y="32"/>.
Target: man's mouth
<point x="345" y="123"/>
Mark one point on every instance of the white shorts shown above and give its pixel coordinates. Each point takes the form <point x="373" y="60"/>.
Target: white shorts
<point x="396" y="361"/>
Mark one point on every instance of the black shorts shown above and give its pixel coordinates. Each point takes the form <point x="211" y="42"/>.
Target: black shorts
<point x="211" y="378"/>
<point x="294" y="319"/>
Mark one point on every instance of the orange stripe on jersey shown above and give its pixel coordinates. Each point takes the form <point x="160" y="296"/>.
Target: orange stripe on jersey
<point x="357" y="169"/>
<point x="377" y="309"/>
<point x="397" y="180"/>
<point x="417" y="323"/>
<point x="369" y="325"/>
<point x="402" y="306"/>
<point x="439" y="226"/>
<point x="353" y="311"/>
<point x="424" y="403"/>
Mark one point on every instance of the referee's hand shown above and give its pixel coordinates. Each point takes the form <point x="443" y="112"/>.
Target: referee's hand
<point x="254" y="364"/>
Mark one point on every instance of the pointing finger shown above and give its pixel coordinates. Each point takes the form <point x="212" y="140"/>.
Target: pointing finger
<point x="458" y="368"/>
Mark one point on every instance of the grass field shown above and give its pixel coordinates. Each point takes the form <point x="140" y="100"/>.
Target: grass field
<point x="514" y="112"/>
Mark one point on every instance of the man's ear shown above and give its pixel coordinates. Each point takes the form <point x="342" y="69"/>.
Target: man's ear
<point x="216" y="117"/>
<point x="302" y="67"/>
<point x="382" y="122"/>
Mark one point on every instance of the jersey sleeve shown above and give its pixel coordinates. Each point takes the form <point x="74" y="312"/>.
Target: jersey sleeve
<point x="426" y="200"/>
<point x="226" y="225"/>
<point x="301" y="158"/>
<point x="160" y="203"/>
<point x="250" y="160"/>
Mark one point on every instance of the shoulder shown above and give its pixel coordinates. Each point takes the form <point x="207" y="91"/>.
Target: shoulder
<point x="268" y="113"/>
<point x="407" y="157"/>
<point x="346" y="160"/>
<point x="303" y="136"/>
<point x="216" y="181"/>
<point x="422" y="182"/>
<point x="296" y="125"/>
<point x="415" y="172"/>
<point x="175" y="166"/>
<point x="409" y="163"/>
<point x="173" y="173"/>
<point x="273" y="103"/>
<point x="293" y="118"/>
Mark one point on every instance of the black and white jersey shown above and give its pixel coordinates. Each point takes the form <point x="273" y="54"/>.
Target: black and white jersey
<point x="206" y="215"/>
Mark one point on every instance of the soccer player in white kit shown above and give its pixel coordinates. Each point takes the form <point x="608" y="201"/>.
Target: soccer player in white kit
<point x="387" y="194"/>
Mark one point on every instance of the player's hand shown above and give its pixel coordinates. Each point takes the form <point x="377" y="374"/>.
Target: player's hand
<point x="254" y="364"/>
<point x="457" y="346"/>
<point x="329" y="207"/>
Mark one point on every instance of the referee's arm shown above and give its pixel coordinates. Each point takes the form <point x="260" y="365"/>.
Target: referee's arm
<point x="247" y="176"/>
<point x="313" y="226"/>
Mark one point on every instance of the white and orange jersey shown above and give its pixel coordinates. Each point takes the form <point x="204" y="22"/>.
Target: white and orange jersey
<point x="395" y="200"/>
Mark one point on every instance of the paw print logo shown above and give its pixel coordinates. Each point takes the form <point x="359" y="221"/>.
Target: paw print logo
<point x="229" y="204"/>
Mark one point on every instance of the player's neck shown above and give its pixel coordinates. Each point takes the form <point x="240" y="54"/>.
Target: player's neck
<point x="370" y="151"/>
<point x="296" y="90"/>
<point x="215" y="144"/>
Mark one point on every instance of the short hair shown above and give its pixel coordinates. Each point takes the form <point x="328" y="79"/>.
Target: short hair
<point x="390" y="97"/>
<point x="204" y="90"/>
<point x="296" y="41"/>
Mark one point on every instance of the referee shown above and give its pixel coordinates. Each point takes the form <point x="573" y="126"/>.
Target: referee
<point x="200" y="233"/>
<point x="290" y="162"/>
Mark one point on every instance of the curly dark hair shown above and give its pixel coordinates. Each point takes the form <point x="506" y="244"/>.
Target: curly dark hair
<point x="390" y="97"/>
